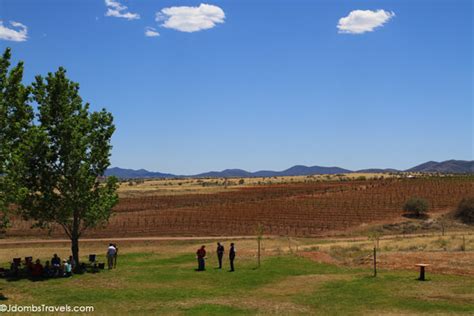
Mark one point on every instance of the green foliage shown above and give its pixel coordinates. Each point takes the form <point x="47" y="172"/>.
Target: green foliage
<point x="465" y="211"/>
<point x="53" y="159"/>
<point x="15" y="117"/>
<point x="374" y="235"/>
<point x="63" y="157"/>
<point x="416" y="207"/>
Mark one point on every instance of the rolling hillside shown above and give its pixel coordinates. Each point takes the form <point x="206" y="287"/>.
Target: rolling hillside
<point x="449" y="166"/>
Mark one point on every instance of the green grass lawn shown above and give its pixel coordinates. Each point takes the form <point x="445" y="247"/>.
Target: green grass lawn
<point x="162" y="284"/>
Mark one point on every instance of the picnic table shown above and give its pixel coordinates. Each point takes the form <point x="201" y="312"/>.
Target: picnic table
<point x="422" y="270"/>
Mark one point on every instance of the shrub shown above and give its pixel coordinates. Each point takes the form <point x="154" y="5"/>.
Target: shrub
<point x="416" y="207"/>
<point x="465" y="211"/>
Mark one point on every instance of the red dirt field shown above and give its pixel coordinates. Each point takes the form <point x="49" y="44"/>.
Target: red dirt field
<point x="299" y="209"/>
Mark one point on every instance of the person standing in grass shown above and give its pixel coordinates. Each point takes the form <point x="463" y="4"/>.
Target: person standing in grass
<point x="220" y="254"/>
<point x="115" y="257"/>
<point x="232" y="257"/>
<point x="201" y="254"/>
<point x="111" y="251"/>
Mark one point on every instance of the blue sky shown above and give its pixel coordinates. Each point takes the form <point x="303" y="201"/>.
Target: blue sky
<point x="262" y="84"/>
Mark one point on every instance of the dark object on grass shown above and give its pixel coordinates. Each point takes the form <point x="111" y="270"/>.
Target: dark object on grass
<point x="82" y="268"/>
<point x="232" y="257"/>
<point x="422" y="271"/>
<point x="220" y="254"/>
<point x="92" y="258"/>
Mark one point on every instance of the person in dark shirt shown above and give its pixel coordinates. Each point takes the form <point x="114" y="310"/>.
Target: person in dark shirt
<point x="14" y="269"/>
<point x="115" y="257"/>
<point x="201" y="254"/>
<point x="37" y="269"/>
<point x="72" y="262"/>
<point x="47" y="270"/>
<point x="232" y="257"/>
<point x="220" y="254"/>
<point x="56" y="265"/>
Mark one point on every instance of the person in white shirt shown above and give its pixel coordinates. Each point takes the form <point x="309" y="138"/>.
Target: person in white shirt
<point x="111" y="251"/>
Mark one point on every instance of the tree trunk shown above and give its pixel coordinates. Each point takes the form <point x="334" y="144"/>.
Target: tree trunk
<point x="75" y="240"/>
<point x="75" y="250"/>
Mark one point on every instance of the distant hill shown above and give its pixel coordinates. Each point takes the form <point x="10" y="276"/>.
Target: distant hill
<point x="228" y="173"/>
<point x="293" y="171"/>
<point x="449" y="166"/>
<point x="300" y="171"/>
<point x="136" y="174"/>
<point x="376" y="170"/>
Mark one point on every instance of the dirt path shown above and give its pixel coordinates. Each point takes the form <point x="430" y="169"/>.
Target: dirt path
<point x="53" y="241"/>
<point x="13" y="241"/>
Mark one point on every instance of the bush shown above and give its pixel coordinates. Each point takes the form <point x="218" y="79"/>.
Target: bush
<point x="416" y="207"/>
<point x="465" y="211"/>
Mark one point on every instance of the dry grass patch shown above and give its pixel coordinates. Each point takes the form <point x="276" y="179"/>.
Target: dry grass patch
<point x="301" y="284"/>
<point x="262" y="306"/>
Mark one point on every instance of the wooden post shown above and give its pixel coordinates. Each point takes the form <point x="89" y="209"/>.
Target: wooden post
<point x="375" y="261"/>
<point x="422" y="267"/>
<point x="259" y="239"/>
<point x="422" y="273"/>
<point x="259" y="232"/>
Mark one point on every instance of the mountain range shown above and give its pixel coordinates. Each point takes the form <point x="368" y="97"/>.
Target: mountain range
<point x="448" y="166"/>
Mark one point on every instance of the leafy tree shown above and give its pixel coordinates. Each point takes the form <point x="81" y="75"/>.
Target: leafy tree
<point x="465" y="210"/>
<point x="416" y="207"/>
<point x="62" y="159"/>
<point x="15" y="118"/>
<point x="375" y="235"/>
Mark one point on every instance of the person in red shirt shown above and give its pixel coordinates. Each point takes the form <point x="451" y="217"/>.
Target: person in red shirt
<point x="201" y="255"/>
<point x="37" y="269"/>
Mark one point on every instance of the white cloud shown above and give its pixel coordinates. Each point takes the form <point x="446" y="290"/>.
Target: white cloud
<point x="17" y="33"/>
<point x="151" y="32"/>
<point x="361" y="21"/>
<point x="115" y="9"/>
<point x="191" y="19"/>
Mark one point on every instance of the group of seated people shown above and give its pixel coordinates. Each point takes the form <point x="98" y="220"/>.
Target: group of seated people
<point x="51" y="269"/>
